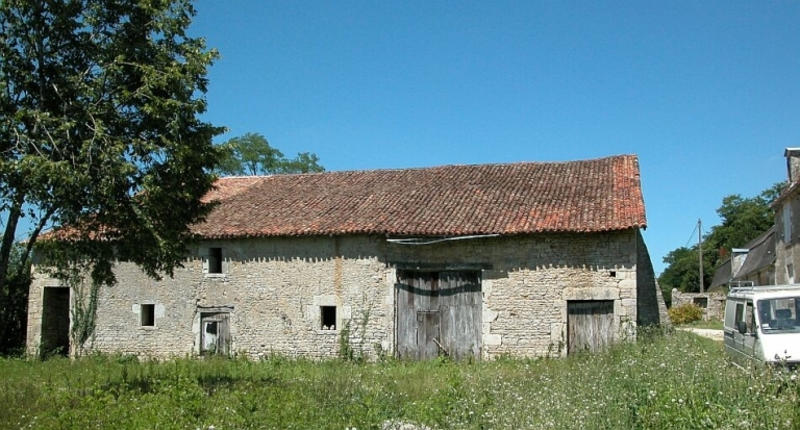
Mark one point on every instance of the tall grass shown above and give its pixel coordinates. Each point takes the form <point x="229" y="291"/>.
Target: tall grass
<point x="672" y="381"/>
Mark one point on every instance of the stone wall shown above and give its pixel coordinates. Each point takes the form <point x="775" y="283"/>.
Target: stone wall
<point x="715" y="302"/>
<point x="651" y="309"/>
<point x="274" y="288"/>
<point x="787" y="249"/>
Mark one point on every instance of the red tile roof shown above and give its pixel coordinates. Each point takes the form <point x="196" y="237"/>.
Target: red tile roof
<point x="577" y="196"/>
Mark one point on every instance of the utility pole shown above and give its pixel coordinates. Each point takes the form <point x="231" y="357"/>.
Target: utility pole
<point x="700" y="251"/>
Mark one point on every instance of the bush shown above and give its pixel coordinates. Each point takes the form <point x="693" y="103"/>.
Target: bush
<point x="685" y="314"/>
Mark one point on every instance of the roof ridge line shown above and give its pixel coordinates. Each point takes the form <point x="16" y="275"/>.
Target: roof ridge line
<point x="441" y="166"/>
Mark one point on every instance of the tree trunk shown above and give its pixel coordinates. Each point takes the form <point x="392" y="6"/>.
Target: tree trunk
<point x="14" y="215"/>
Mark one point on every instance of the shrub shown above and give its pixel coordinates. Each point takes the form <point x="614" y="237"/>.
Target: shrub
<point x="685" y="314"/>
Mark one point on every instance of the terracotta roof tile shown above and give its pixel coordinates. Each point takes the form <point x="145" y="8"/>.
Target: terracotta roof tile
<point x="578" y="196"/>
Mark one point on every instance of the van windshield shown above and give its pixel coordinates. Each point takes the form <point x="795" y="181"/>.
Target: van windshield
<point x="779" y="315"/>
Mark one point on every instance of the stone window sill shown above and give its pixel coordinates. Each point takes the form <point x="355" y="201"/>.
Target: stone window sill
<point x="327" y="331"/>
<point x="147" y="327"/>
<point x="216" y="276"/>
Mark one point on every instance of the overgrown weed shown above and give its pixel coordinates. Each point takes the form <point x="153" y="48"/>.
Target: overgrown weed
<point x="673" y="380"/>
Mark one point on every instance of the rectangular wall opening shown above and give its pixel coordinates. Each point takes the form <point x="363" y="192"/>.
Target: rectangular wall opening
<point x="55" y="321"/>
<point x="215" y="335"/>
<point x="327" y="317"/>
<point x="215" y="260"/>
<point x="148" y="315"/>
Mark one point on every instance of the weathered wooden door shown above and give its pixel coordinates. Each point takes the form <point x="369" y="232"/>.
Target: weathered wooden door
<point x="215" y="334"/>
<point x="590" y="325"/>
<point x="438" y="313"/>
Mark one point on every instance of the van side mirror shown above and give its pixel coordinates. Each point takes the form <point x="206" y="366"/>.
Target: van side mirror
<point x="741" y="326"/>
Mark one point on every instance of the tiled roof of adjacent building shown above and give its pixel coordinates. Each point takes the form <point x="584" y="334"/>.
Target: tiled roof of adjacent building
<point x="577" y="196"/>
<point x="761" y="254"/>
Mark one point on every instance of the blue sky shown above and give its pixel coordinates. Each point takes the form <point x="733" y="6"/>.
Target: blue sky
<point x="707" y="94"/>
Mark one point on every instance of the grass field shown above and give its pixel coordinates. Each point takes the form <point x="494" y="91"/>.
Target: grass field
<point x="713" y="324"/>
<point x="663" y="381"/>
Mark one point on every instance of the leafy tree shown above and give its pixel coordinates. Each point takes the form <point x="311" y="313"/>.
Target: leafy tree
<point x="743" y="219"/>
<point x="99" y="130"/>
<point x="251" y="154"/>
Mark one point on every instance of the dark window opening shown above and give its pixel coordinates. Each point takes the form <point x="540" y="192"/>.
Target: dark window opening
<point x="148" y="313"/>
<point x="327" y="317"/>
<point x="612" y="273"/>
<point x="701" y="302"/>
<point x="215" y="260"/>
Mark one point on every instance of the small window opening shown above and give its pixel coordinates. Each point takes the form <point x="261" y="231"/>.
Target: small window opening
<point x="612" y="273"/>
<point x="328" y="317"/>
<point x="148" y="314"/>
<point x="215" y="260"/>
<point x="701" y="302"/>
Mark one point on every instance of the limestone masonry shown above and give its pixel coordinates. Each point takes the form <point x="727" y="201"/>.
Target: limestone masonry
<point x="538" y="293"/>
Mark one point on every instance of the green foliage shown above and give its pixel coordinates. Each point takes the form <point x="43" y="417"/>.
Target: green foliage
<point x="683" y="270"/>
<point x="348" y="333"/>
<point x="685" y="314"/>
<point x="742" y="220"/>
<point x="100" y="129"/>
<point x="14" y="304"/>
<point x="251" y="154"/>
<point x="345" y="349"/>
<point x="675" y="381"/>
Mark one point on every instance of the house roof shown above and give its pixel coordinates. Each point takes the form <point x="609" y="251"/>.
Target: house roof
<point x="790" y="190"/>
<point x="577" y="196"/>
<point x="722" y="275"/>
<point x="762" y="254"/>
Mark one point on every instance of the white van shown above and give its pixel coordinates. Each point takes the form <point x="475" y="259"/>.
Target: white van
<point x="762" y="324"/>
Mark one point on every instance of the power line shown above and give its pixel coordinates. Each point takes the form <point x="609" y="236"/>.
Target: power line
<point x="691" y="236"/>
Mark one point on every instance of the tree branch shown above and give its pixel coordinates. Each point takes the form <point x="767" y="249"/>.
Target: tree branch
<point x="32" y="239"/>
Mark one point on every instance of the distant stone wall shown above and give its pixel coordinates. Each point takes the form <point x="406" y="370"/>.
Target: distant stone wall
<point x="274" y="289"/>
<point x="714" y="302"/>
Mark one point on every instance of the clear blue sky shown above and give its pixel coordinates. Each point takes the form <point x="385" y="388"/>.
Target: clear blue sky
<point x="707" y="93"/>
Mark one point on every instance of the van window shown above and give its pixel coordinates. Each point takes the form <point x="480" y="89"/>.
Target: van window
<point x="729" y="309"/>
<point x="781" y="315"/>
<point x="739" y="313"/>
<point x="749" y="318"/>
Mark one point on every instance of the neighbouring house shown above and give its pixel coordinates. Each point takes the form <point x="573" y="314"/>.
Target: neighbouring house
<point x="522" y="259"/>
<point x="768" y="259"/>
<point x="787" y="222"/>
<point x="752" y="264"/>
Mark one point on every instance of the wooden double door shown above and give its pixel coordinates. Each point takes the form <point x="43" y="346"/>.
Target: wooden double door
<point x="438" y="313"/>
<point x="215" y="335"/>
<point x="590" y="325"/>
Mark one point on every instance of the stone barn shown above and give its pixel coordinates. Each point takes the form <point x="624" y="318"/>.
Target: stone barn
<point x="471" y="261"/>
